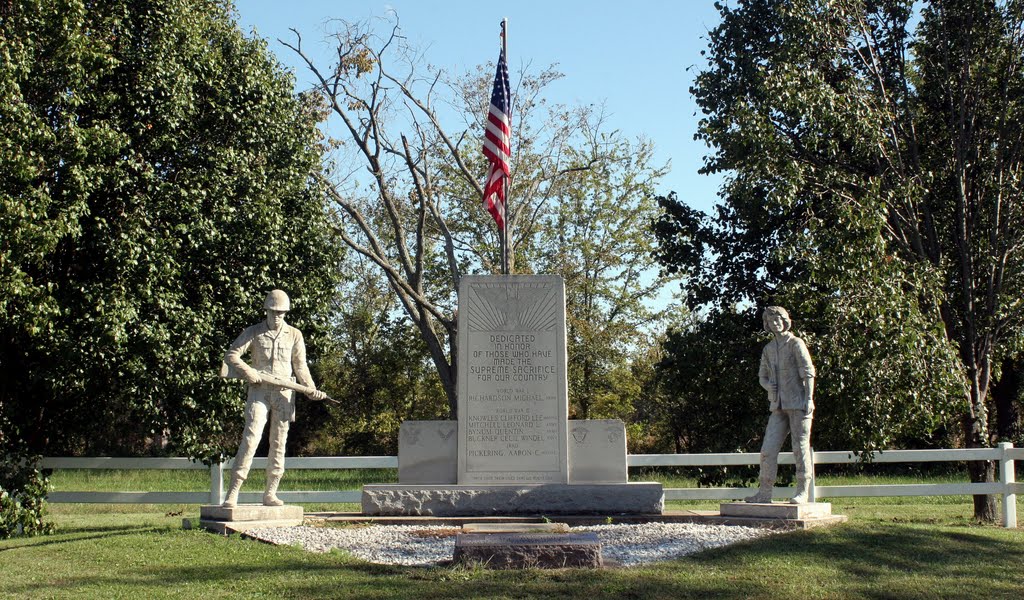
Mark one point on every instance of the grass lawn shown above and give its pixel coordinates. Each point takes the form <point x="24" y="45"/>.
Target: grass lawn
<point x="891" y="548"/>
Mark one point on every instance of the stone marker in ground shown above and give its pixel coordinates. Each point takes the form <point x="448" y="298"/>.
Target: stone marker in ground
<point x="513" y="451"/>
<point x="243" y="517"/>
<point x="529" y="550"/>
<point x="550" y="528"/>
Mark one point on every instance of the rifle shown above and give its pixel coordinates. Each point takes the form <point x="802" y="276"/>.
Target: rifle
<point x="228" y="372"/>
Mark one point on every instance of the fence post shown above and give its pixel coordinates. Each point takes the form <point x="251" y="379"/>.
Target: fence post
<point x="812" y="492"/>
<point x="1008" y="478"/>
<point x="217" y="483"/>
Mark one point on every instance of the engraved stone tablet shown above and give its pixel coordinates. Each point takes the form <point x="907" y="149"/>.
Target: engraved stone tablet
<point x="597" y="451"/>
<point x="427" y="452"/>
<point x="529" y="550"/>
<point x="513" y="400"/>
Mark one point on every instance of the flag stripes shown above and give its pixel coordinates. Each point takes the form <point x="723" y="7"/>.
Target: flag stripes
<point x="498" y="144"/>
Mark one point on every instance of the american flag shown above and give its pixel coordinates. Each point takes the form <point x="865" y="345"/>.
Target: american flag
<point x="497" y="144"/>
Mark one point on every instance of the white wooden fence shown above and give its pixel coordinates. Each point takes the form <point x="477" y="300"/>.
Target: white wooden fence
<point x="1006" y="454"/>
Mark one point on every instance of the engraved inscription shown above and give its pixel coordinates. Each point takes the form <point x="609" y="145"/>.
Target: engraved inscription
<point x="512" y="424"/>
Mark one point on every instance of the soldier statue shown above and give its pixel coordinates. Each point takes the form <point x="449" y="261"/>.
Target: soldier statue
<point x="787" y="373"/>
<point x="278" y="356"/>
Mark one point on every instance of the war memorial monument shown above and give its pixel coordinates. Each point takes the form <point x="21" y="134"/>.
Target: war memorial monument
<point x="513" y="452"/>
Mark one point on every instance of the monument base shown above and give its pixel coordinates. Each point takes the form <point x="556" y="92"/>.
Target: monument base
<point x="529" y="550"/>
<point x="243" y="517"/>
<point x="509" y="500"/>
<point x="772" y="510"/>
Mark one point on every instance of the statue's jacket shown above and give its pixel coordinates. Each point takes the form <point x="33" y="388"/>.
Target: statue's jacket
<point x="282" y="354"/>
<point x="787" y="361"/>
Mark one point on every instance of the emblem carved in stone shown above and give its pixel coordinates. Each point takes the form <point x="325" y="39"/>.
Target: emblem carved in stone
<point x="445" y="433"/>
<point x="579" y="434"/>
<point x="500" y="307"/>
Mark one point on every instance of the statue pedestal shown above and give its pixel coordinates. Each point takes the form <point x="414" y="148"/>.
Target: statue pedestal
<point x="243" y="517"/>
<point x="798" y="516"/>
<point x="773" y="510"/>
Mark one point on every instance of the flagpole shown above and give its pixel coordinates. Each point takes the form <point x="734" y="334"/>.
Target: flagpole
<point x="505" y="239"/>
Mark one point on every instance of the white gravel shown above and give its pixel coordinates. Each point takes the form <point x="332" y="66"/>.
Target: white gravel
<point x="627" y="545"/>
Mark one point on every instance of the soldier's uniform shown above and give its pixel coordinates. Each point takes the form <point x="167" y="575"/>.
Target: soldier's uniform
<point x="281" y="353"/>
<point x="786" y="367"/>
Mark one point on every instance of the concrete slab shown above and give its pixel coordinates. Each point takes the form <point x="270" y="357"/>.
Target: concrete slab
<point x="229" y="527"/>
<point x="810" y="523"/>
<point x="546" y="499"/>
<point x="529" y="550"/>
<point x="249" y="512"/>
<point x="808" y="510"/>
<point x="515" y="528"/>
<point x="711" y="517"/>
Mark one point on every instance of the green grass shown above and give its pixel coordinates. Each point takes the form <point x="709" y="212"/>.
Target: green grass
<point x="891" y="548"/>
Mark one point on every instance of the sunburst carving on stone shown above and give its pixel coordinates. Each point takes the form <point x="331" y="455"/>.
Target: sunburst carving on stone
<point x="512" y="307"/>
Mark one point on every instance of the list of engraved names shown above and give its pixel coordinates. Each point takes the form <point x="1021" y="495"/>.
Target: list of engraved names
<point x="511" y="424"/>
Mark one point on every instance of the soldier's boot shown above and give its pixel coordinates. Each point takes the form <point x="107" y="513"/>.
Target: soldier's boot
<point x="233" y="489"/>
<point x="270" y="495"/>
<point x="763" y="495"/>
<point x="803" y="491"/>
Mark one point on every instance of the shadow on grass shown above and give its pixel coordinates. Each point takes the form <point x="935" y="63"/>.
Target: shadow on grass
<point x="78" y="534"/>
<point x="895" y="561"/>
<point x="875" y="561"/>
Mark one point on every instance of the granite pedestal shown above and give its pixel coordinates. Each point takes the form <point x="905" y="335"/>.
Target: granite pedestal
<point x="243" y="517"/>
<point x="545" y="499"/>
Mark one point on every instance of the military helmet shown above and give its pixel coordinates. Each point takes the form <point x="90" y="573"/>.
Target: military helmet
<point x="277" y="300"/>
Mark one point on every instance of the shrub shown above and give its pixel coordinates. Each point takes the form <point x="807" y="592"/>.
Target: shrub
<point x="23" y="488"/>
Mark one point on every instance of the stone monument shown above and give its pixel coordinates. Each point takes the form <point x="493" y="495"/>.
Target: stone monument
<point x="513" y="454"/>
<point x="513" y="399"/>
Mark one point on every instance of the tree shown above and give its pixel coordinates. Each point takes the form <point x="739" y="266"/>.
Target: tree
<point x="154" y="184"/>
<point x="381" y="368"/>
<point x="875" y="187"/>
<point x="409" y="167"/>
<point x="706" y="397"/>
<point x="597" y="237"/>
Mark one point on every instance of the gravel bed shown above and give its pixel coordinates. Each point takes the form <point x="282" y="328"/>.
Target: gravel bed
<point x="418" y="545"/>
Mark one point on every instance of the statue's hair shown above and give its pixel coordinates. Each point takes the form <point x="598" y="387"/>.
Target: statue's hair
<point x="776" y="310"/>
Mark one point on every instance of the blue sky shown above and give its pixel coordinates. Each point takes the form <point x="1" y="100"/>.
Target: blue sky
<point x="633" y="56"/>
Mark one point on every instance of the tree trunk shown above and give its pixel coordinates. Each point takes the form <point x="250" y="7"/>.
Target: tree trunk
<point x="980" y="471"/>
<point x="451" y="388"/>
<point x="984" y="505"/>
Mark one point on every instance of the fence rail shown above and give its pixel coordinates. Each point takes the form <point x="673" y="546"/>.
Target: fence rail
<point x="1005" y="454"/>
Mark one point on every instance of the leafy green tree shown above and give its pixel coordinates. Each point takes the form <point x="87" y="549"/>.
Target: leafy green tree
<point x="707" y="400"/>
<point x="874" y="188"/>
<point x="408" y="172"/>
<point x="381" y="368"/>
<point x="154" y="184"/>
<point x="597" y="237"/>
